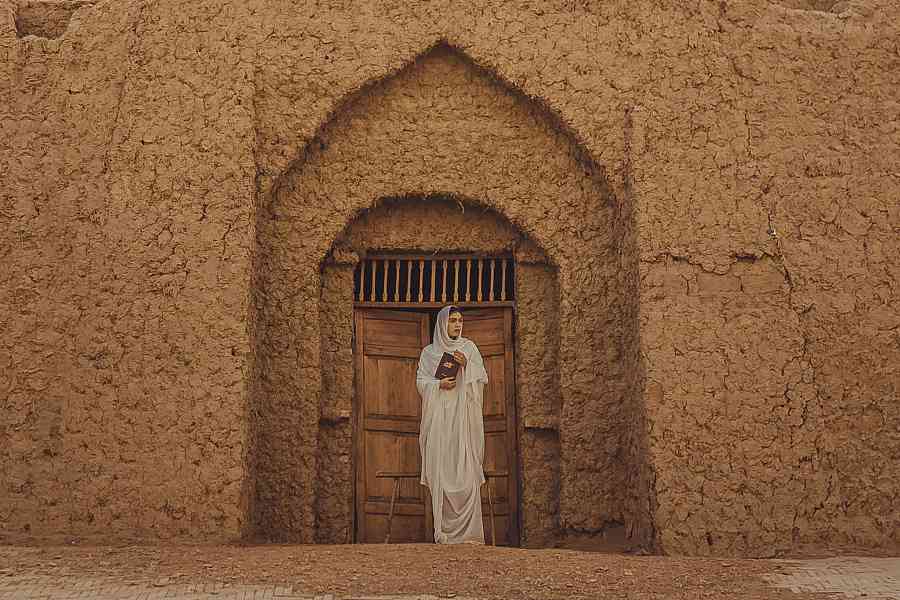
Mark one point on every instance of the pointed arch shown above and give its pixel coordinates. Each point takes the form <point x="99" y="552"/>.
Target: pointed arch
<point x="445" y="125"/>
<point x="317" y="144"/>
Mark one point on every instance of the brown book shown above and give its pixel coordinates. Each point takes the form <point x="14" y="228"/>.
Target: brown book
<point x="448" y="367"/>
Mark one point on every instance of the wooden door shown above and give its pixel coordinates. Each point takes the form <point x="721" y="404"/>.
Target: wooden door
<point x="388" y="411"/>
<point x="387" y="347"/>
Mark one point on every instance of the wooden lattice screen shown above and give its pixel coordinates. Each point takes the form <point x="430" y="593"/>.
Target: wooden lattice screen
<point x="434" y="281"/>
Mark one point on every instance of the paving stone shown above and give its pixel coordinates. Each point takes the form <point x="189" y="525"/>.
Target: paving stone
<point x="62" y="588"/>
<point x="847" y="577"/>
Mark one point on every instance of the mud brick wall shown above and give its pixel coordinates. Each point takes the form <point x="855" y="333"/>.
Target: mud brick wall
<point x="768" y="227"/>
<point x="126" y="194"/>
<point x="539" y="398"/>
<point x="714" y="185"/>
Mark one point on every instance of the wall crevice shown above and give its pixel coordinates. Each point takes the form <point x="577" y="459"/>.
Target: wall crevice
<point x="47" y="19"/>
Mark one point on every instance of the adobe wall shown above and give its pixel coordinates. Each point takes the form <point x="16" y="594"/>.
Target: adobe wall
<point x="752" y="145"/>
<point x="768" y="227"/>
<point x="125" y="233"/>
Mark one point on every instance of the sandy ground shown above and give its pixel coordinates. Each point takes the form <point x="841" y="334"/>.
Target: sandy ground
<point x="464" y="571"/>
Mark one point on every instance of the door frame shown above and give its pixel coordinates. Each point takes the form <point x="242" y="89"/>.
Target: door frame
<point x="514" y="485"/>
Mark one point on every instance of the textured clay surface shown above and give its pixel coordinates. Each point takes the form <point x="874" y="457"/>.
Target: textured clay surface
<point x="703" y="200"/>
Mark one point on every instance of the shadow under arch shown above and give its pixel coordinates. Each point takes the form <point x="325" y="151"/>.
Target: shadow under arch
<point x="444" y="125"/>
<point x="446" y="215"/>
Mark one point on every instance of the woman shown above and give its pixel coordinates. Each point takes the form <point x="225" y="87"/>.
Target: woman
<point x="451" y="436"/>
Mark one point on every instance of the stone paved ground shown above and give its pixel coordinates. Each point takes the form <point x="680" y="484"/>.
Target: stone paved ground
<point x="422" y="572"/>
<point x="847" y="577"/>
<point x="45" y="588"/>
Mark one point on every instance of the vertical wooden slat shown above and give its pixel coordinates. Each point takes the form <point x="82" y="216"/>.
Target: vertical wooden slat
<point x="433" y="269"/>
<point x="491" y="294"/>
<point x="480" y="286"/>
<point x="408" y="278"/>
<point x="492" y="278"/>
<point x="421" y="278"/>
<point x="397" y="280"/>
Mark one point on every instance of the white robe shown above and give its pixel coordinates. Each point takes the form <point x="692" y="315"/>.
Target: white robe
<point x="451" y="439"/>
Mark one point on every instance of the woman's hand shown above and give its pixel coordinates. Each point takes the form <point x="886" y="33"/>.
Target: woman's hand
<point x="460" y="358"/>
<point x="448" y="383"/>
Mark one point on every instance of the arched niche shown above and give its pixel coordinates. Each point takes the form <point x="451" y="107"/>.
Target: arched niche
<point x="444" y="126"/>
<point x="430" y="225"/>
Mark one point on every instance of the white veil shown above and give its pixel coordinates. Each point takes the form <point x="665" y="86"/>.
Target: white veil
<point x="442" y="342"/>
<point x="451" y="437"/>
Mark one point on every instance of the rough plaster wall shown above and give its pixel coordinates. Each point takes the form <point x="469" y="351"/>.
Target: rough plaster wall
<point x="334" y="497"/>
<point x="539" y="400"/>
<point x="638" y="526"/>
<point x="729" y="406"/>
<point x="429" y="225"/>
<point x="463" y="133"/>
<point x="127" y="156"/>
<point x="769" y="315"/>
<point x="814" y="90"/>
<point x="55" y="122"/>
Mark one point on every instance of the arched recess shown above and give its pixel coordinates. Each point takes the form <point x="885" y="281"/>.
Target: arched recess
<point x="429" y="225"/>
<point x="444" y="125"/>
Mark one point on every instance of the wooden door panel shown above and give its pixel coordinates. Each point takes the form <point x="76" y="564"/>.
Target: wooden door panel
<point x="389" y="451"/>
<point x="503" y="530"/>
<point x="385" y="423"/>
<point x="404" y="529"/>
<point x="390" y="387"/>
<point x="391" y="351"/>
<point x="495" y="455"/>
<point x="494" y="425"/>
<point x="495" y="459"/>
<point x="484" y="327"/>
<point x="387" y="414"/>
<point x="499" y="488"/>
<point x="500" y="508"/>
<point x="495" y="390"/>
<point x="392" y="329"/>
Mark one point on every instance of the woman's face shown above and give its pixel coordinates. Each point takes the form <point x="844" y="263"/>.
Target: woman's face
<point x="454" y="324"/>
